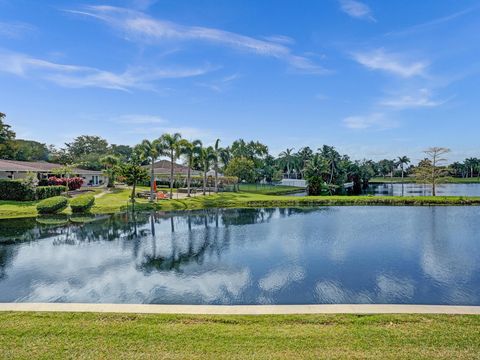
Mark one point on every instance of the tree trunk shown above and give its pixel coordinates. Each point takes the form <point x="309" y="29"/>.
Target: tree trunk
<point x="204" y="180"/>
<point x="216" y="177"/>
<point x="152" y="179"/>
<point x="171" y="174"/>
<point x="188" y="180"/>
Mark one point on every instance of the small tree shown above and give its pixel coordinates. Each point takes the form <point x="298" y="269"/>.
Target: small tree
<point x="111" y="168"/>
<point x="315" y="170"/>
<point x="242" y="168"/>
<point x="433" y="169"/>
<point x="133" y="172"/>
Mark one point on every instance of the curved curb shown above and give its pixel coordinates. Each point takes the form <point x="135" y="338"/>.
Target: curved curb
<point x="243" y="309"/>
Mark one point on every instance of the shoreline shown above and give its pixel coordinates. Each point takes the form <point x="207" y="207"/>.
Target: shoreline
<point x="116" y="202"/>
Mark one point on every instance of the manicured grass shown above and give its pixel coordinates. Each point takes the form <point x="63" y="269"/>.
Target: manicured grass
<point x="448" y="180"/>
<point x="117" y="200"/>
<point x="269" y="189"/>
<point x="129" y="336"/>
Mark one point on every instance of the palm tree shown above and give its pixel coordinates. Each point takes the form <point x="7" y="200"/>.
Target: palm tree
<point x="170" y="142"/>
<point x="402" y="161"/>
<point x="152" y="150"/>
<point x="190" y="150"/>
<point x="216" y="157"/>
<point x="286" y="158"/>
<point x="315" y="169"/>
<point x="333" y="158"/>
<point x="206" y="158"/>
<point x="110" y="162"/>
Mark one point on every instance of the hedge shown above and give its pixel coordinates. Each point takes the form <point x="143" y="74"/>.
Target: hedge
<point x="52" y="205"/>
<point x="44" y="192"/>
<point x="16" y="190"/>
<point x="82" y="203"/>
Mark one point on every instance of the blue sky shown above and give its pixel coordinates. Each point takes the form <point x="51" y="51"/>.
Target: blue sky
<point x="375" y="79"/>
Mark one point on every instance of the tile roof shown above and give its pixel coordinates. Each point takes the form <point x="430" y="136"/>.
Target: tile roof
<point x="37" y="166"/>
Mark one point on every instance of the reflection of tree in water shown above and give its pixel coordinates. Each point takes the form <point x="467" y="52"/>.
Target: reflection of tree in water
<point x="7" y="254"/>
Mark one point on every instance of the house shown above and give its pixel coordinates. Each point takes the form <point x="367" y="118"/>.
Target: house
<point x="161" y="170"/>
<point x="11" y="169"/>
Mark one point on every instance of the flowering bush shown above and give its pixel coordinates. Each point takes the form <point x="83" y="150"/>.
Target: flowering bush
<point x="73" y="183"/>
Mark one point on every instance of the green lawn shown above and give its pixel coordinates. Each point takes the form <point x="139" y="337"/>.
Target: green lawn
<point x="117" y="200"/>
<point x="269" y="189"/>
<point x="448" y="180"/>
<point x="129" y="336"/>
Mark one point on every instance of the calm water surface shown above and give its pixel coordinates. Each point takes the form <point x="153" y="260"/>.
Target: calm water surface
<point x="424" y="190"/>
<point x="414" y="255"/>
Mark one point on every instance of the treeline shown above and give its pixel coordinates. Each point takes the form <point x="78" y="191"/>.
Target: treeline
<point x="325" y="169"/>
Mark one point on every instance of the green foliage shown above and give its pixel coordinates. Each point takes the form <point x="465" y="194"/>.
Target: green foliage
<point x="52" y="205"/>
<point x="45" y="192"/>
<point x="17" y="190"/>
<point x="315" y="171"/>
<point x="81" y="204"/>
<point x="242" y="168"/>
<point x="28" y="150"/>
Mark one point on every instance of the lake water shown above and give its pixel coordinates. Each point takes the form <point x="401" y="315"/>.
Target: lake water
<point x="412" y="255"/>
<point x="423" y="190"/>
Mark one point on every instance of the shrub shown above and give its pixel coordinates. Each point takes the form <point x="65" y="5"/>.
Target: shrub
<point x="73" y="183"/>
<point x="82" y="203"/>
<point x="44" y="192"/>
<point x="16" y="190"/>
<point x="52" y="205"/>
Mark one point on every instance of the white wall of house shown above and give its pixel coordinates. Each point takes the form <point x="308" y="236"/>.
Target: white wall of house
<point x="94" y="180"/>
<point x="16" y="175"/>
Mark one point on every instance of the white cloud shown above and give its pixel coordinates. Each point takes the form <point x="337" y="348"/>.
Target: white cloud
<point x="14" y="29"/>
<point x="137" y="26"/>
<point x="389" y="62"/>
<point x="422" y="98"/>
<point x="376" y="121"/>
<point x="139" y="119"/>
<point x="76" y="76"/>
<point x="356" y="9"/>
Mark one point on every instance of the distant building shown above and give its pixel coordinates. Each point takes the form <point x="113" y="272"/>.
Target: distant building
<point x="162" y="170"/>
<point x="11" y="169"/>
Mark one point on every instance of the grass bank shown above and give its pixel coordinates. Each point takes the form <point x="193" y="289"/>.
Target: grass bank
<point x="117" y="200"/>
<point x="269" y="189"/>
<point x="129" y="336"/>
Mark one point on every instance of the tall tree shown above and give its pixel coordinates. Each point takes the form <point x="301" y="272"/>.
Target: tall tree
<point x="333" y="159"/>
<point x="191" y="151"/>
<point x="286" y="159"/>
<point x="206" y="159"/>
<point x="402" y="161"/>
<point x="171" y="143"/>
<point x="433" y="169"/>
<point x="152" y="150"/>
<point x="216" y="158"/>
<point x="6" y="136"/>
<point x="315" y="170"/>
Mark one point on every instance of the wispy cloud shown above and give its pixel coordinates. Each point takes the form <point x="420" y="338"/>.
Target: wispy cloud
<point x="421" y="98"/>
<point x="393" y="63"/>
<point x="75" y="76"/>
<point x="220" y="85"/>
<point x="133" y="119"/>
<point x="137" y="26"/>
<point x="356" y="9"/>
<point x="15" y="30"/>
<point x="432" y="23"/>
<point x="377" y="121"/>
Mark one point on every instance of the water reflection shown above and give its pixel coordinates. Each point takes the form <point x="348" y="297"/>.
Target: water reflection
<point x="247" y="256"/>
<point x="423" y="190"/>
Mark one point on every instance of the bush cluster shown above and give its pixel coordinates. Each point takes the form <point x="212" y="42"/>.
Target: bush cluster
<point x="82" y="204"/>
<point x="16" y="190"/>
<point x="52" y="205"/>
<point x="45" y="192"/>
<point x="73" y="183"/>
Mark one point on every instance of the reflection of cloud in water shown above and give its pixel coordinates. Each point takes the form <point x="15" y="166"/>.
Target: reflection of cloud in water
<point x="392" y="288"/>
<point x="131" y="286"/>
<point x="280" y="278"/>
